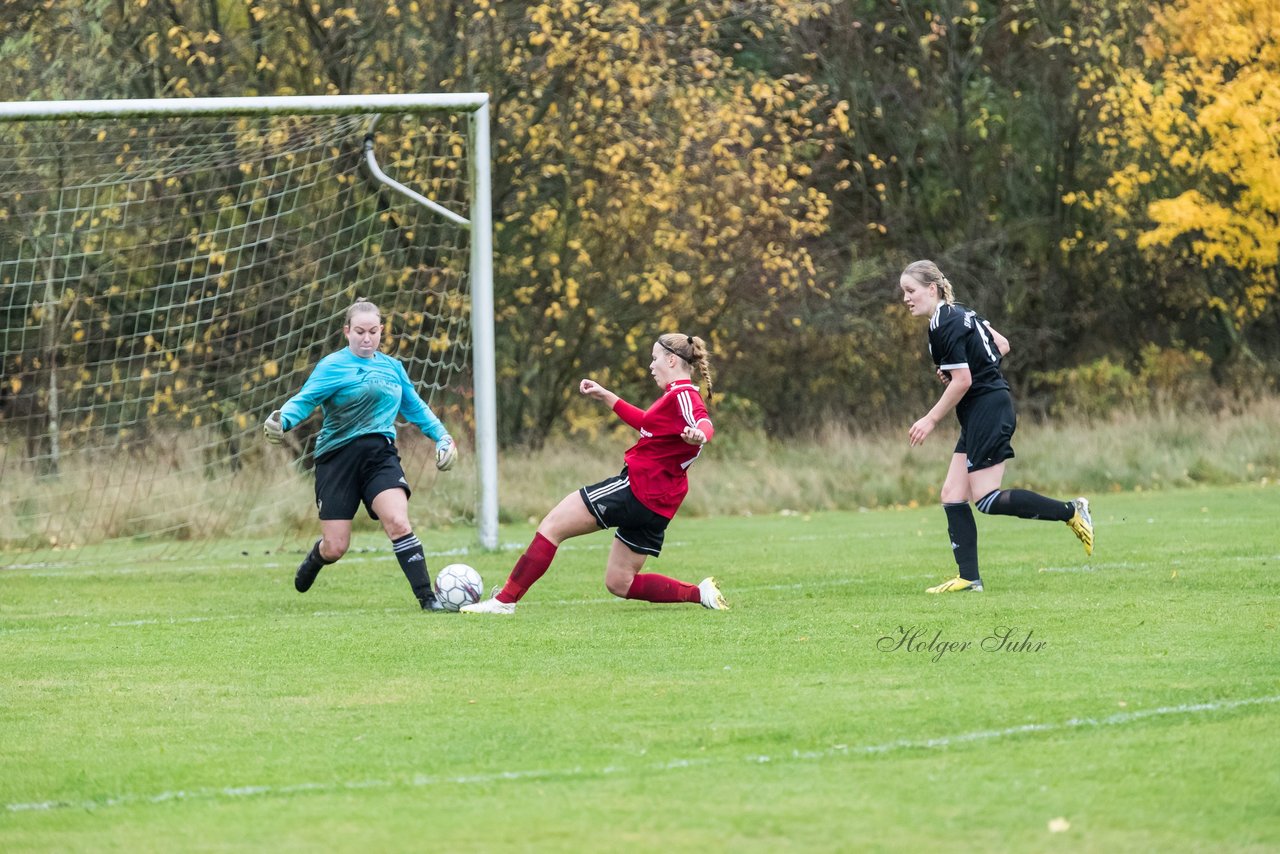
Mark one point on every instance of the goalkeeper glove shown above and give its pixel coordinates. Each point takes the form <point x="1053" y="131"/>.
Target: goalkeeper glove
<point x="273" y="429"/>
<point x="446" y="453"/>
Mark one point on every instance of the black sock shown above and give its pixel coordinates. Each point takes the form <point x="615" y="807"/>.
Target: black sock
<point x="315" y="560"/>
<point x="413" y="563"/>
<point x="1025" y="504"/>
<point x="964" y="538"/>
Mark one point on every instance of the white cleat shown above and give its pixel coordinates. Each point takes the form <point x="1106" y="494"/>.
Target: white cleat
<point x="489" y="606"/>
<point x="711" y="596"/>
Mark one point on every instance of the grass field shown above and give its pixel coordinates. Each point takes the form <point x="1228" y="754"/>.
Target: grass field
<point x="204" y="705"/>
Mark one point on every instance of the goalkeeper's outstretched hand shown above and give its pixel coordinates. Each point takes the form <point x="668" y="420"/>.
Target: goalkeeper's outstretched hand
<point x="272" y="429"/>
<point x="446" y="453"/>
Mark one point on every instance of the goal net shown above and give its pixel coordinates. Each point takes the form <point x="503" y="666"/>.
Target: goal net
<point x="171" y="272"/>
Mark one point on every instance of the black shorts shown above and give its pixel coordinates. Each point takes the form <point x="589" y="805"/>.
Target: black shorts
<point x="987" y="423"/>
<point x="614" y="506"/>
<point x="356" y="472"/>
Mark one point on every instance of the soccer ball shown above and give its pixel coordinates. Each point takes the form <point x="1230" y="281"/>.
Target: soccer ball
<point x="457" y="585"/>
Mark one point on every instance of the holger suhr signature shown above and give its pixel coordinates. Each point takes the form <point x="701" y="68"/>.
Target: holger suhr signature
<point x="922" y="640"/>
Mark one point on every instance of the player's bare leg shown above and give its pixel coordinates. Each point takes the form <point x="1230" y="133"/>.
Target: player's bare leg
<point x="621" y="571"/>
<point x="569" y="518"/>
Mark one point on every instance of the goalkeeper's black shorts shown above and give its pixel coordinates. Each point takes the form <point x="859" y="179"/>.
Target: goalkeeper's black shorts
<point x="357" y="472"/>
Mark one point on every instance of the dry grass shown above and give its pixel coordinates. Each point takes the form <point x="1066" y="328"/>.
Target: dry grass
<point x="841" y="469"/>
<point x="741" y="473"/>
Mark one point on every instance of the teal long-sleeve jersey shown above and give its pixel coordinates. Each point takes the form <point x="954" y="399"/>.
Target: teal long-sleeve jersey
<point x="359" y="397"/>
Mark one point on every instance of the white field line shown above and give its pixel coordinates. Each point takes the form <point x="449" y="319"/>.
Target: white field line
<point x="580" y="772"/>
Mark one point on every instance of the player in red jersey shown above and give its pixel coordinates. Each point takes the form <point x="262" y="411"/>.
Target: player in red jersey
<point x="642" y="499"/>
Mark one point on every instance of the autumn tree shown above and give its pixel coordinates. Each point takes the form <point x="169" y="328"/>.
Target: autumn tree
<point x="1190" y="140"/>
<point x="645" y="184"/>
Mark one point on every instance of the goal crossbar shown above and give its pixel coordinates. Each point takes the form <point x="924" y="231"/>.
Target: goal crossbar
<point x="261" y="105"/>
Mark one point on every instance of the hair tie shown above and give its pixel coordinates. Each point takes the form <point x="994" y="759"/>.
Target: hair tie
<point x="673" y="352"/>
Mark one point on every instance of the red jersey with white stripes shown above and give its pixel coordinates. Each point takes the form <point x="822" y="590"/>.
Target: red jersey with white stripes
<point x="657" y="464"/>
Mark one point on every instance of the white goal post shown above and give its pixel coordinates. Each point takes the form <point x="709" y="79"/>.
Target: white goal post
<point x="154" y="308"/>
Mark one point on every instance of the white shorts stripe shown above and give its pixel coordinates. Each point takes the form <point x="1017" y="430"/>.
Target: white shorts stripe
<point x="610" y="489"/>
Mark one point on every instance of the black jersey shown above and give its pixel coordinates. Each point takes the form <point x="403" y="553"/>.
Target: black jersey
<point x="959" y="338"/>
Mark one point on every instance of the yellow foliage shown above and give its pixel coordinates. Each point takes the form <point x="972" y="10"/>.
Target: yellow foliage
<point x="1192" y="136"/>
<point x="639" y="179"/>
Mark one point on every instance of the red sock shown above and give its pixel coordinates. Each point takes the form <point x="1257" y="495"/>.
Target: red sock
<point x="528" y="569"/>
<point x="652" y="587"/>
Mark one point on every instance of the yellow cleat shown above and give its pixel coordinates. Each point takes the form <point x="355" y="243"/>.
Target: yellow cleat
<point x="958" y="585"/>
<point x="1081" y="524"/>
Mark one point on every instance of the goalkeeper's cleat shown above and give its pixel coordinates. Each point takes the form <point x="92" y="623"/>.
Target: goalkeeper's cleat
<point x="709" y="590"/>
<point x="958" y="585"/>
<point x="307" y="571"/>
<point x="489" y="606"/>
<point x="1081" y="524"/>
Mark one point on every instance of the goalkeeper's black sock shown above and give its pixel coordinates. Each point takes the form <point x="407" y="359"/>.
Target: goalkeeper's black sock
<point x="964" y="538"/>
<point x="413" y="563"/>
<point x="315" y="558"/>
<point x="1025" y="504"/>
<point x="310" y="568"/>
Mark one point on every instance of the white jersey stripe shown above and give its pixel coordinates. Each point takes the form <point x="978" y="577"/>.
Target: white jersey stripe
<point x="686" y="408"/>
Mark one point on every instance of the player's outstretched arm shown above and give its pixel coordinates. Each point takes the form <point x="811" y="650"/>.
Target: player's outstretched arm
<point x="594" y="390"/>
<point x="631" y="415"/>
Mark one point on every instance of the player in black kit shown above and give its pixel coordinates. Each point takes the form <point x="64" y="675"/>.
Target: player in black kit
<point x="967" y="353"/>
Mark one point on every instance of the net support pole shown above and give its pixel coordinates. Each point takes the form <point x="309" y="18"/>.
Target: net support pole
<point x="482" y="337"/>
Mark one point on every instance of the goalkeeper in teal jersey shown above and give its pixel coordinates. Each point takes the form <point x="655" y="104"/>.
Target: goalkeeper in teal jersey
<point x="361" y="391"/>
